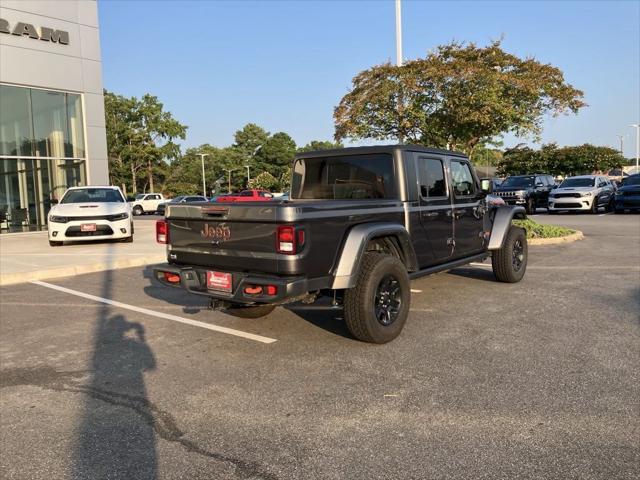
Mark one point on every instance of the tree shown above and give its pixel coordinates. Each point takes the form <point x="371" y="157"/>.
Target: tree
<point x="459" y="95"/>
<point x="249" y="138"/>
<point x="575" y="160"/>
<point x="320" y="145"/>
<point x="277" y="153"/>
<point x="140" y="136"/>
<point x="265" y="181"/>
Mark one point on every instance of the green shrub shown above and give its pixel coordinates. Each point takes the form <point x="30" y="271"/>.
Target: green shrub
<point x="539" y="230"/>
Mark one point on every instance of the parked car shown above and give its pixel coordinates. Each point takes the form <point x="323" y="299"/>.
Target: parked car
<point x="627" y="197"/>
<point x="490" y="184"/>
<point x="90" y="213"/>
<point x="582" y="193"/>
<point x="360" y="222"/>
<point x="246" y="196"/>
<point x="181" y="199"/>
<point x="146" y="203"/>
<point x="530" y="191"/>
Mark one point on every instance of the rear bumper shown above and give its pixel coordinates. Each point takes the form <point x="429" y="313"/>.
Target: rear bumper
<point x="288" y="289"/>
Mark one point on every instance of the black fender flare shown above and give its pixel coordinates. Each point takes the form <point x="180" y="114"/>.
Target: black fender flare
<point x="501" y="222"/>
<point x="346" y="270"/>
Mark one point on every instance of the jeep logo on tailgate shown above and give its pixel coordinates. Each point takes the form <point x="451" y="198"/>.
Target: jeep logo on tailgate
<point x="216" y="234"/>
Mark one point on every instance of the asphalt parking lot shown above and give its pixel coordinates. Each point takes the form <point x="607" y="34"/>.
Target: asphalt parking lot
<point x="116" y="378"/>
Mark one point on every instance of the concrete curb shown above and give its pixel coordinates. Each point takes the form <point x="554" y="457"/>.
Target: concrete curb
<point x="578" y="235"/>
<point x="60" y="272"/>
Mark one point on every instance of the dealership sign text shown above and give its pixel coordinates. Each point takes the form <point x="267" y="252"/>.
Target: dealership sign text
<point x="26" y="29"/>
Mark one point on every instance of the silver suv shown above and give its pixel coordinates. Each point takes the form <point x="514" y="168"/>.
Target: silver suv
<point x="585" y="192"/>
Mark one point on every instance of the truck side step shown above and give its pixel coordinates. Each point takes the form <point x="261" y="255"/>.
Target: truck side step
<point x="449" y="265"/>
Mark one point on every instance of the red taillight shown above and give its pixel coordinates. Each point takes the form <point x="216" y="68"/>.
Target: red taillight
<point x="286" y="241"/>
<point x="162" y="231"/>
<point x="271" y="289"/>
<point x="171" y="277"/>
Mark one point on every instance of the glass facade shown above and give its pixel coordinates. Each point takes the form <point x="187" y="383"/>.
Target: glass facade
<point x="42" y="153"/>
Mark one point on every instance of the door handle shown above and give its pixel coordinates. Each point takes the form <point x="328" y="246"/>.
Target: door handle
<point x="429" y="214"/>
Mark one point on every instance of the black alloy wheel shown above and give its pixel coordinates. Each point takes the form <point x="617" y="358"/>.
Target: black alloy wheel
<point x="517" y="255"/>
<point x="388" y="300"/>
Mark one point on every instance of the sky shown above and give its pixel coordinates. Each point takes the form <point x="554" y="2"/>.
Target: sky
<point x="285" y="65"/>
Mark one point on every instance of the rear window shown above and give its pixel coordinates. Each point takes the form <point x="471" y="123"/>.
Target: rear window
<point x="344" y="177"/>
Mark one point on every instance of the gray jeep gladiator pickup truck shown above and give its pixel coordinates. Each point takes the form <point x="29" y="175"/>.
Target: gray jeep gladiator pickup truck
<point x="359" y="224"/>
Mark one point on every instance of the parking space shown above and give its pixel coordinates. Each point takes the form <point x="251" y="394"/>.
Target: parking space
<point x="109" y="372"/>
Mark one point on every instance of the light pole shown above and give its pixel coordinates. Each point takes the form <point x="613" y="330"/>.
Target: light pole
<point x="621" y="138"/>
<point x="637" y="127"/>
<point x="248" y="176"/>
<point x="399" y="59"/>
<point x="204" y="186"/>
<point x="398" y="34"/>
<point x="229" y="170"/>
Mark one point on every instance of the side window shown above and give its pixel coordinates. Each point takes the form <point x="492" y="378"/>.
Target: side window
<point x="246" y="194"/>
<point x="431" y="175"/>
<point x="462" y="179"/>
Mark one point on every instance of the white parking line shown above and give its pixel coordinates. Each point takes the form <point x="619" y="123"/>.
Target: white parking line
<point x="151" y="313"/>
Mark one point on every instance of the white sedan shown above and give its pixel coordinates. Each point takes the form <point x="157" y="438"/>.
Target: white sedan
<point x="90" y="213"/>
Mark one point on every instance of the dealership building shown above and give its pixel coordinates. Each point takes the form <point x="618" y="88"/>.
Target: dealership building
<point x="52" y="124"/>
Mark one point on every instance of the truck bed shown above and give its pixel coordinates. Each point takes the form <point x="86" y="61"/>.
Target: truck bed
<point x="242" y="237"/>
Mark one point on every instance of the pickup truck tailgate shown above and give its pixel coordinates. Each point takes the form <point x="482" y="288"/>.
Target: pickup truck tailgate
<point x="224" y="236"/>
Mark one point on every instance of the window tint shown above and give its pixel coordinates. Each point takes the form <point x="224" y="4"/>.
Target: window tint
<point x="246" y="194"/>
<point x="462" y="179"/>
<point x="431" y="174"/>
<point x="344" y="177"/>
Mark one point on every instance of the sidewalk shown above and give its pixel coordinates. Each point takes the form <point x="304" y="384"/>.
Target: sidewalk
<point x="28" y="256"/>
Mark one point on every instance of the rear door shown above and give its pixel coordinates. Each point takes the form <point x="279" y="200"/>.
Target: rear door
<point x="468" y="209"/>
<point x="435" y="209"/>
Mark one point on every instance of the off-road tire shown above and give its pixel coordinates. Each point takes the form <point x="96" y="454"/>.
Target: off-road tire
<point x="503" y="260"/>
<point x="250" y="312"/>
<point x="137" y="210"/>
<point x="359" y="301"/>
<point x="54" y="243"/>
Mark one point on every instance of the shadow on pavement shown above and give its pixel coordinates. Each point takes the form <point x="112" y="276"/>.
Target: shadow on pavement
<point x="327" y="319"/>
<point x="116" y="435"/>
<point x="190" y="303"/>
<point x="477" y="273"/>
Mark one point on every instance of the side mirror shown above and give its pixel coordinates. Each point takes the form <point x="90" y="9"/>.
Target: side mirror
<point x="485" y="186"/>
